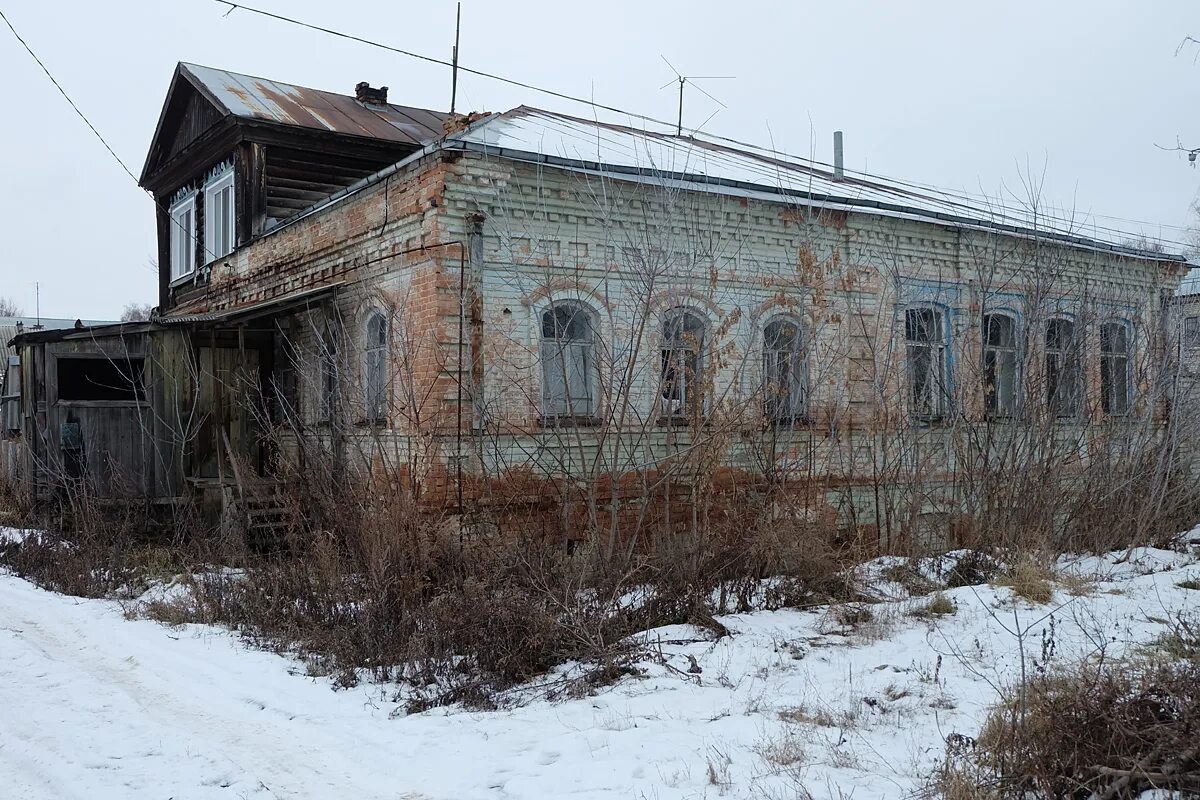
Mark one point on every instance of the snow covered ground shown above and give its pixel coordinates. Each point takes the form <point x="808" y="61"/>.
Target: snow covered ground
<point x="93" y="705"/>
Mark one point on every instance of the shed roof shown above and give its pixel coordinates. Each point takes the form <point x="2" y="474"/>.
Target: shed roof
<point x="9" y="327"/>
<point x="265" y="100"/>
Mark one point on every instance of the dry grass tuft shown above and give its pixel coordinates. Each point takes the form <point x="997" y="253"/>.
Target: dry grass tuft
<point x="1029" y="579"/>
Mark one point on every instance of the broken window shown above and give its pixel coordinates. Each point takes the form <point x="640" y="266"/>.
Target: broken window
<point x="925" y="343"/>
<point x="375" y="364"/>
<point x="183" y="237"/>
<point x="101" y="379"/>
<point x="1115" y="376"/>
<point x="1191" y="332"/>
<point x="682" y="361"/>
<point x="1000" y="364"/>
<point x="785" y="373"/>
<point x="568" y="362"/>
<point x="219" y="237"/>
<point x="1063" y="379"/>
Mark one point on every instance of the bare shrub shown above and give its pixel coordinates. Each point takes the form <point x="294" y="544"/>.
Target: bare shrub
<point x="1099" y="729"/>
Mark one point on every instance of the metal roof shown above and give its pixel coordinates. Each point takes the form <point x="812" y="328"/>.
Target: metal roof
<point x="695" y="161"/>
<point x="9" y="325"/>
<point x="285" y="104"/>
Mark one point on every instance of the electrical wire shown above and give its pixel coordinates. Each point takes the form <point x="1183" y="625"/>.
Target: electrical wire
<point x="93" y="129"/>
<point x="949" y="193"/>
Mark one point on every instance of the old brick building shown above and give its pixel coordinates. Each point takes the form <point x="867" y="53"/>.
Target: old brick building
<point x="508" y="307"/>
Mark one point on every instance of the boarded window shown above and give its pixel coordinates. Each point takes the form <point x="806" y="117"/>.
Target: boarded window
<point x="1115" y="378"/>
<point x="682" y="362"/>
<point x="785" y="373"/>
<point x="925" y="348"/>
<point x="1063" y="378"/>
<point x="568" y="362"/>
<point x="375" y="366"/>
<point x="1000" y="364"/>
<point x="101" y="379"/>
<point x="10" y="397"/>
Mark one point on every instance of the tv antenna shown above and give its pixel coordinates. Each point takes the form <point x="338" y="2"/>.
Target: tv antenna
<point x="683" y="81"/>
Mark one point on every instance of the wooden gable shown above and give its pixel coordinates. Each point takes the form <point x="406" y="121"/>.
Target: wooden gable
<point x="188" y="115"/>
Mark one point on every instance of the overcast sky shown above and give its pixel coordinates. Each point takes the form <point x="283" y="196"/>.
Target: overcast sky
<point x="957" y="94"/>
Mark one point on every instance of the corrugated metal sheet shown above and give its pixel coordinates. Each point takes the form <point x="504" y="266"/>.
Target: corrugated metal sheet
<point x="721" y="166"/>
<point x="257" y="98"/>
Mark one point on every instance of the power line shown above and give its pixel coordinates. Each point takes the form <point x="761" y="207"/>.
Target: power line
<point x="948" y="193"/>
<point x="97" y="133"/>
<point x="67" y="97"/>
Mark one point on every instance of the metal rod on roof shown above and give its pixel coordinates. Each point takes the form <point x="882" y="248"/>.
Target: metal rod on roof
<point x="454" y="59"/>
<point x="839" y="169"/>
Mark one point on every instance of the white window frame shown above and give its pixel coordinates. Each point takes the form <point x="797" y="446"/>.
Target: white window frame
<point x="375" y="367"/>
<point x="559" y="355"/>
<point x="1063" y="369"/>
<point x="785" y="373"/>
<point x="220" y="231"/>
<point x="928" y="400"/>
<point x="1112" y="403"/>
<point x="183" y="237"/>
<point x="1001" y="367"/>
<point x="683" y="361"/>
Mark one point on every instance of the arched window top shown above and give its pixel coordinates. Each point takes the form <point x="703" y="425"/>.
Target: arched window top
<point x="683" y="327"/>
<point x="1000" y="329"/>
<point x="1116" y="337"/>
<point x="1060" y="333"/>
<point x="783" y="333"/>
<point x="568" y="320"/>
<point x="376" y="329"/>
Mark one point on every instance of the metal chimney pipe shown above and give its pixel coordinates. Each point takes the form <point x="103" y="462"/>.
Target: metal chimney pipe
<point x="839" y="172"/>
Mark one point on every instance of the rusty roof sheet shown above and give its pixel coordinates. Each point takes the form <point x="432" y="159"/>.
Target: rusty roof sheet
<point x="283" y="103"/>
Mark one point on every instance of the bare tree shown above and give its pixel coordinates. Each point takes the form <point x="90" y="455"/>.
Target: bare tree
<point x="9" y="307"/>
<point x="136" y="312"/>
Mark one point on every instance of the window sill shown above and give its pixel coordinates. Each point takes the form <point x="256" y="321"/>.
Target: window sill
<point x="101" y="403"/>
<point x="183" y="279"/>
<point x="569" y="422"/>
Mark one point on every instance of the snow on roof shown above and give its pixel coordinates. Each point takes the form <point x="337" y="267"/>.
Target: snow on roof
<point x="723" y="166"/>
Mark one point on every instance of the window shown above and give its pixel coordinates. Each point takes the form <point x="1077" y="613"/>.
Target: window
<point x="925" y="344"/>
<point x="785" y="371"/>
<point x="1191" y="332"/>
<point x="219" y="238"/>
<point x="101" y="379"/>
<point x="568" y="362"/>
<point x="682" y="361"/>
<point x="183" y="237"/>
<point x="329" y="375"/>
<point x="1000" y="364"/>
<point x="1115" y="378"/>
<point x="375" y="367"/>
<point x="1063" y="379"/>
